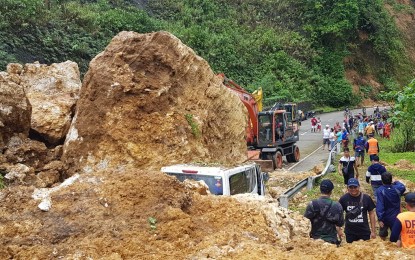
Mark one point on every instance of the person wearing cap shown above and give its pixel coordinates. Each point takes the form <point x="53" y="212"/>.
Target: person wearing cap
<point x="347" y="166"/>
<point x="326" y="137"/>
<point x="374" y="174"/>
<point x="372" y="147"/>
<point x="326" y="216"/>
<point x="404" y="225"/>
<point x="359" y="208"/>
<point x="369" y="130"/>
<point x="359" y="149"/>
<point x="388" y="204"/>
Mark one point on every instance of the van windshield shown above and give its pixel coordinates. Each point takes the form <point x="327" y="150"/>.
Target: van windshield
<point x="214" y="183"/>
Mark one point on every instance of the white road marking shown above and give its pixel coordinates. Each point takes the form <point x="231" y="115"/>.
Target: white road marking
<point x="289" y="169"/>
<point x="304" y="133"/>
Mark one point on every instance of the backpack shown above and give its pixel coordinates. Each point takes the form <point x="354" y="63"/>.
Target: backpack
<point x="320" y="218"/>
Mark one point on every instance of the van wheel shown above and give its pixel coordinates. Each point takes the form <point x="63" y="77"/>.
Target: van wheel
<point x="295" y="156"/>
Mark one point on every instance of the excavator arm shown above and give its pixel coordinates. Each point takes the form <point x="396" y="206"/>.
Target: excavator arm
<point x="251" y="105"/>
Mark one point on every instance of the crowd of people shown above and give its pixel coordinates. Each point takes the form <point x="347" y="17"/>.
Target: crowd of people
<point x="356" y="210"/>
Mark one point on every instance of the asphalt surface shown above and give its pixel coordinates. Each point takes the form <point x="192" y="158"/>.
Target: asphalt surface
<point x="311" y="144"/>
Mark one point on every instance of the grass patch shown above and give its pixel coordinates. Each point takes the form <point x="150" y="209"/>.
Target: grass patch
<point x="387" y="156"/>
<point x="326" y="109"/>
<point x="390" y="157"/>
<point x="2" y="185"/>
<point x="194" y="126"/>
<point x="2" y="174"/>
<point x="338" y="191"/>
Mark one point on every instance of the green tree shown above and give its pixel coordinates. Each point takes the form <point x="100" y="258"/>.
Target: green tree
<point x="404" y="118"/>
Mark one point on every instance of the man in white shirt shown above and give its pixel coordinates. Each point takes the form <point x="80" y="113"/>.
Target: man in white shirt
<point x="326" y="137"/>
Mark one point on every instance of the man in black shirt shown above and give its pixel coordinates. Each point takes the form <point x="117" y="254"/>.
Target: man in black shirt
<point x="357" y="206"/>
<point x="326" y="216"/>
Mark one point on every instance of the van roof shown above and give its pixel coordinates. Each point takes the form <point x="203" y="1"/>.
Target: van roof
<point x="202" y="169"/>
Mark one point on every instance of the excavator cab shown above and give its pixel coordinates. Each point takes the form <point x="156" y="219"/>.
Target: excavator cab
<point x="277" y="135"/>
<point x="274" y="128"/>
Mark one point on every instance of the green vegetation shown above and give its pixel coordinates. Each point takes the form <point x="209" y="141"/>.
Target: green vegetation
<point x="295" y="50"/>
<point x="390" y="157"/>
<point x="55" y="31"/>
<point x="193" y="125"/>
<point x="325" y="109"/>
<point x="338" y="191"/>
<point x="153" y="223"/>
<point x="403" y="118"/>
<point x="2" y="185"/>
<point x="3" y="172"/>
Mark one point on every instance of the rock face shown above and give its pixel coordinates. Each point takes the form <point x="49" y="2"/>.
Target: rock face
<point x="147" y="101"/>
<point x="15" y="109"/>
<point x="29" y="152"/>
<point x="52" y="91"/>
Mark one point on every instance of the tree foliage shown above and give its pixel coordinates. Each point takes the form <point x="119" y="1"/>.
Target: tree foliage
<point x="294" y="50"/>
<point x="403" y="118"/>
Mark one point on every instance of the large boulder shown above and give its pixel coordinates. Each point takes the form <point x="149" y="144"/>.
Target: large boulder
<point x="15" y="109"/>
<point x="148" y="100"/>
<point x="52" y="91"/>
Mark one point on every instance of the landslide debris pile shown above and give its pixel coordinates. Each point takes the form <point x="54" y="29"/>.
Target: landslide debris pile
<point x="147" y="215"/>
<point x="148" y="100"/>
<point x="36" y="107"/>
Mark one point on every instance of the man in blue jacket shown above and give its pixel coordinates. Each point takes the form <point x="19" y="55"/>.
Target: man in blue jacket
<point x="389" y="203"/>
<point x="359" y="149"/>
<point x="373" y="174"/>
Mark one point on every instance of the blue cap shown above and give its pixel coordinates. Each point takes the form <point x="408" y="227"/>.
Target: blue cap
<point x="326" y="186"/>
<point x="410" y="197"/>
<point x="353" y="182"/>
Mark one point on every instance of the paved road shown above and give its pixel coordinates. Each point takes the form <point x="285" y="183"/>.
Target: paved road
<point x="310" y="144"/>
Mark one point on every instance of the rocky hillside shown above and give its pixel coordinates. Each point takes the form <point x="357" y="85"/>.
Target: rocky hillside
<point x="329" y="52"/>
<point x="146" y="100"/>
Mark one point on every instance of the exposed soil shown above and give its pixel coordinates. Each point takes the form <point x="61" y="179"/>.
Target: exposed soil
<point x="107" y="216"/>
<point x="405" y="21"/>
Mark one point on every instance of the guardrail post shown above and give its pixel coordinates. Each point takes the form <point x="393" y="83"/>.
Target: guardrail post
<point x="310" y="183"/>
<point x="284" y="201"/>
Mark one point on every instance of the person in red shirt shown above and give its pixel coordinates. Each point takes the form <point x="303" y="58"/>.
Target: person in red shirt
<point x="313" y="124"/>
<point x="337" y="127"/>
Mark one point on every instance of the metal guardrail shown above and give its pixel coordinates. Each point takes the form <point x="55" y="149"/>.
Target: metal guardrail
<point x="309" y="181"/>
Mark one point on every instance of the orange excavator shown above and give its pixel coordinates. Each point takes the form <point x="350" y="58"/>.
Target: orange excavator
<point x="271" y="134"/>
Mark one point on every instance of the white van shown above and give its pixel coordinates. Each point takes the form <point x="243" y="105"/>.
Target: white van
<point x="223" y="181"/>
